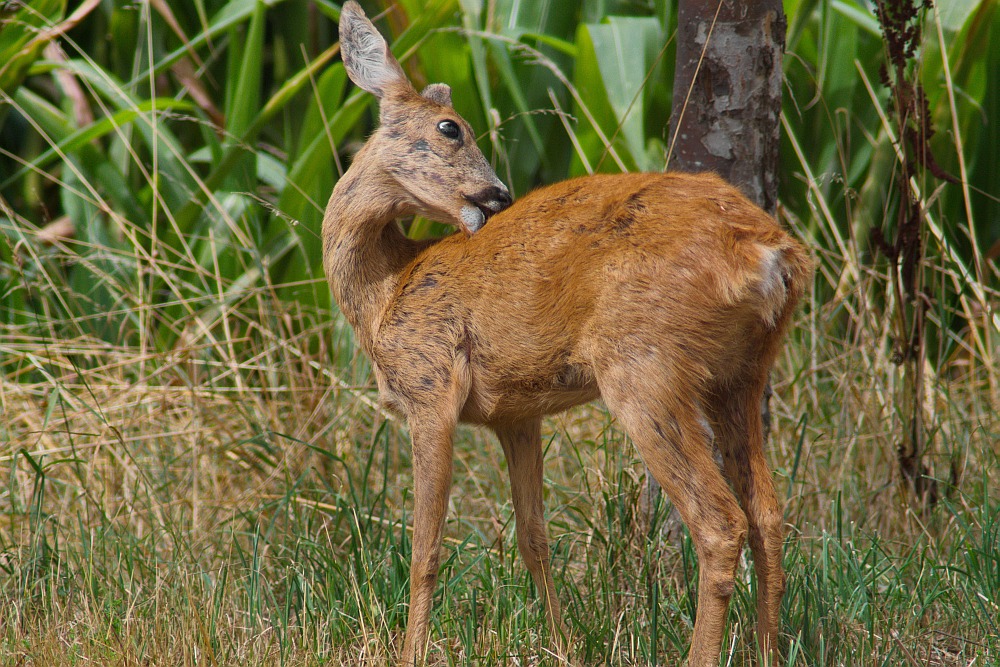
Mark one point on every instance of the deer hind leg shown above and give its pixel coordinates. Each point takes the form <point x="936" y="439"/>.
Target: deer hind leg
<point x="522" y="445"/>
<point x="736" y="418"/>
<point x="671" y="434"/>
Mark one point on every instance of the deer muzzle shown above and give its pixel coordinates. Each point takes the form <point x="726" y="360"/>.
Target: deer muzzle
<point x="483" y="205"/>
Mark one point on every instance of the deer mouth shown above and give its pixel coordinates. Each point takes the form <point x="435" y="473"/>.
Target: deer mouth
<point x="488" y="209"/>
<point x="483" y="206"/>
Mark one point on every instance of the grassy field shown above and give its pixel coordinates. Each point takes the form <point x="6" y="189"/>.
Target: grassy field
<point x="195" y="466"/>
<point x="252" y="508"/>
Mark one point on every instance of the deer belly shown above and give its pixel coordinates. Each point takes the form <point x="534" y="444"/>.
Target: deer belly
<point x="505" y="398"/>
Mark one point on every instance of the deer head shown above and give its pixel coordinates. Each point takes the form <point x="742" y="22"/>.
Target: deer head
<point x="427" y="151"/>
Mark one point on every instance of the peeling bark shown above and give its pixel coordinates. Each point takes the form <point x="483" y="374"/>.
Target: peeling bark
<point x="728" y="121"/>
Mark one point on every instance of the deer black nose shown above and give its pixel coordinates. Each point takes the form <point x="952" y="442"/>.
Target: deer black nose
<point x="503" y="198"/>
<point x="492" y="199"/>
<point x="497" y="198"/>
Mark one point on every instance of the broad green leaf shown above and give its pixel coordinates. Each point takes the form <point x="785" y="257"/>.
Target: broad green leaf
<point x="244" y="76"/>
<point x="859" y="14"/>
<point x="614" y="59"/>
<point x="310" y="181"/>
<point x="23" y="36"/>
<point x="234" y="154"/>
<point x="91" y="164"/>
<point x="79" y="138"/>
<point x="625" y="48"/>
<point x="230" y="14"/>
<point x="800" y="13"/>
<point x="176" y="183"/>
<point x="955" y="13"/>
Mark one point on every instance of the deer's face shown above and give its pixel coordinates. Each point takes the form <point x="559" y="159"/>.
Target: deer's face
<point x="423" y="145"/>
<point x="431" y="153"/>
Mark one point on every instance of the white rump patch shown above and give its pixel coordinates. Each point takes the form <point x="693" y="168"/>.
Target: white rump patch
<point x="705" y="426"/>
<point x="772" y="283"/>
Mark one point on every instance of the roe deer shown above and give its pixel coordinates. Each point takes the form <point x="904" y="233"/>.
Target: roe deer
<point x="664" y="294"/>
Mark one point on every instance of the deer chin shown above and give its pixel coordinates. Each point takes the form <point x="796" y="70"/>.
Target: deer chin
<point x="473" y="218"/>
<point x="481" y="208"/>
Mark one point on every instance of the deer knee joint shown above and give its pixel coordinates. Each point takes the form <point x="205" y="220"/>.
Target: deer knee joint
<point x="724" y="588"/>
<point x="780" y="582"/>
<point x="722" y="541"/>
<point x="532" y="544"/>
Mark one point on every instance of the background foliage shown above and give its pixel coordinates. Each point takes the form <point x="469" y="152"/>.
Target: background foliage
<point x="193" y="460"/>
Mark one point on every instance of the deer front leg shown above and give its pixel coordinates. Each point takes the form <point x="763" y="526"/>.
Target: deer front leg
<point x="432" y="465"/>
<point x="432" y="415"/>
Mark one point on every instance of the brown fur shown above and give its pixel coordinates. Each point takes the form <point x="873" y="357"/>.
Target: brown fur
<point x="664" y="294"/>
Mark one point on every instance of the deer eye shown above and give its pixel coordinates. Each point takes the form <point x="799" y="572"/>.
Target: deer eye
<point x="449" y="129"/>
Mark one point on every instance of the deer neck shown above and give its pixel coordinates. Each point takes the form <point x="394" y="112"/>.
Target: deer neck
<point x="364" y="250"/>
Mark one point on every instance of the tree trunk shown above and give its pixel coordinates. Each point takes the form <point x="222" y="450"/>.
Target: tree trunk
<point x="728" y="120"/>
<point x="726" y="108"/>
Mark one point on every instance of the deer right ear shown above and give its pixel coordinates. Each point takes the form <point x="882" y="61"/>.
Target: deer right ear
<point x="437" y="92"/>
<point x="367" y="57"/>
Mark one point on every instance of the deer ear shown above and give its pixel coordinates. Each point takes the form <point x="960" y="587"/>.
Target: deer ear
<point x="437" y="92"/>
<point x="367" y="57"/>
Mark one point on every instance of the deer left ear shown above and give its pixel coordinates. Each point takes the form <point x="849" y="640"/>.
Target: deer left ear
<point x="367" y="57"/>
<point x="437" y="92"/>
